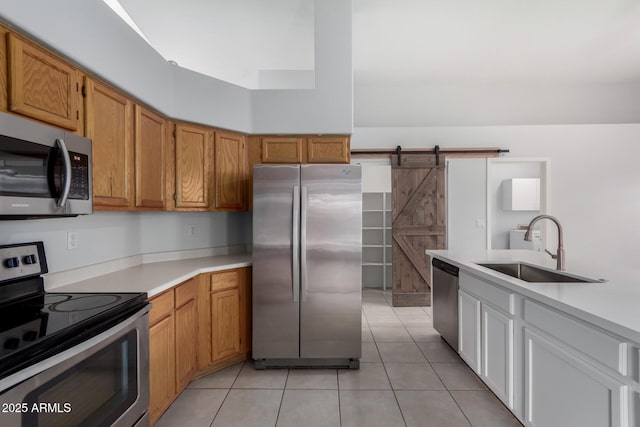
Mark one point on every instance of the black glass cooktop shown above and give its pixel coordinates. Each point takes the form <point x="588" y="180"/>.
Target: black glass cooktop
<point x="38" y="326"/>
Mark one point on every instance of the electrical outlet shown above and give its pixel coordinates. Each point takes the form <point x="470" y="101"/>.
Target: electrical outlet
<point x="72" y="240"/>
<point x="192" y="230"/>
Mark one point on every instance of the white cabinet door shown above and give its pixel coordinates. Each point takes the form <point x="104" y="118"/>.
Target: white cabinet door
<point x="469" y="330"/>
<point x="563" y="390"/>
<point x="497" y="353"/>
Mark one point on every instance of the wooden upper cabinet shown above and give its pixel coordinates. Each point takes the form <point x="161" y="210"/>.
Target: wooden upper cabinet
<point x="299" y="149"/>
<point x="193" y="166"/>
<point x="282" y="150"/>
<point x="150" y="141"/>
<point x="230" y="170"/>
<point x="328" y="149"/>
<point x="41" y="86"/>
<point x="4" y="87"/>
<point x="109" y="123"/>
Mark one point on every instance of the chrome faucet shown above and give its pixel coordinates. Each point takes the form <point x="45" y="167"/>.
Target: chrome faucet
<point x="559" y="256"/>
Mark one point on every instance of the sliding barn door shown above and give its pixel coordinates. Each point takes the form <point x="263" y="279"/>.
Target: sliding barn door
<point x="419" y="223"/>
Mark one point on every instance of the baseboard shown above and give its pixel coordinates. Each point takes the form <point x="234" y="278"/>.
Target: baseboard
<point x="220" y="365"/>
<point x="416" y="299"/>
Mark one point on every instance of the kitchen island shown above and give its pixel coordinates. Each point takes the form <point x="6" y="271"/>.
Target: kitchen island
<point x="554" y="353"/>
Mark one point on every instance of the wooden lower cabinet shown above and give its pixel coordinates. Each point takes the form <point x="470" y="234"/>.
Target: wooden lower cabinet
<point x="225" y="324"/>
<point x="186" y="316"/>
<point x="224" y="307"/>
<point x="162" y="357"/>
<point x="195" y="328"/>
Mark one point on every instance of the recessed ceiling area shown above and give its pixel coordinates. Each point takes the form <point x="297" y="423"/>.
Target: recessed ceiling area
<point x="468" y="41"/>
<point x="250" y="43"/>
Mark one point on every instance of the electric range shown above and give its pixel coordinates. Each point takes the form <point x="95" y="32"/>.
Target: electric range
<point x="50" y="338"/>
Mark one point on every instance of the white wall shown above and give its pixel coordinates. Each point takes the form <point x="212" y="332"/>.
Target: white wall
<point x="102" y="236"/>
<point x="92" y="35"/>
<point x="376" y="178"/>
<point x="164" y="231"/>
<point x="503" y="221"/>
<point x="105" y="236"/>
<point x="466" y="203"/>
<point x="594" y="176"/>
<point x="526" y="103"/>
<point x="202" y="99"/>
<point x="328" y="107"/>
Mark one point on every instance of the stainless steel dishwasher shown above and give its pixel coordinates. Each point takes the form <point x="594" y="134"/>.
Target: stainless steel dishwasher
<point x="445" y="301"/>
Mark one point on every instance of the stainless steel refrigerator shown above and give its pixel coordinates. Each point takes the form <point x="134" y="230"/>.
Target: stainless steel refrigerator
<point x="307" y="274"/>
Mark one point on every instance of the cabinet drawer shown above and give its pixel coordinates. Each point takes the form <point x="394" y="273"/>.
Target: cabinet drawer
<point x="161" y="307"/>
<point x="604" y="348"/>
<point x="499" y="297"/>
<point x="226" y="280"/>
<point x="186" y="292"/>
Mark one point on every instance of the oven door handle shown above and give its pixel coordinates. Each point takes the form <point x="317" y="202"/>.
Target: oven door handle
<point x="66" y="186"/>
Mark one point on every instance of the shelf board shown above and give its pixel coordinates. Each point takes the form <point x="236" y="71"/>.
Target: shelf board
<point x="381" y="264"/>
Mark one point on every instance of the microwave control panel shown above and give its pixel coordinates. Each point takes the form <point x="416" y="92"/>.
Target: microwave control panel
<point x="79" y="176"/>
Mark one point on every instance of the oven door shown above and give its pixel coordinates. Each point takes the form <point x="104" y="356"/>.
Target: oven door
<point x="103" y="381"/>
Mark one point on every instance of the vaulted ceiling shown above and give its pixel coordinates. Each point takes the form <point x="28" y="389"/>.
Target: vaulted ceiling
<point x="404" y="41"/>
<point x="237" y="41"/>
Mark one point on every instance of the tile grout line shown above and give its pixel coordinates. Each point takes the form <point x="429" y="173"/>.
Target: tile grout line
<point x="227" y="395"/>
<point x="394" y="392"/>
<point x="395" y="396"/>
<point x="282" y="397"/>
<point x="219" y="408"/>
<point x="450" y="394"/>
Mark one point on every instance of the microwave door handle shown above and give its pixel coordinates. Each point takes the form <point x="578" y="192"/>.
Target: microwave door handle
<point x="66" y="186"/>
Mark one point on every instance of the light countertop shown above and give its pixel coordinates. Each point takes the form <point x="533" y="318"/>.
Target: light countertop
<point x="154" y="278"/>
<point x="613" y="305"/>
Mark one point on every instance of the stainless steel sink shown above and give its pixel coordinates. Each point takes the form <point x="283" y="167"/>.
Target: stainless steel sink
<point x="533" y="274"/>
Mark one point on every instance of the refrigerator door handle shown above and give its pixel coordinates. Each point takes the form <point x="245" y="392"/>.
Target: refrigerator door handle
<point x="303" y="243"/>
<point x="295" y="264"/>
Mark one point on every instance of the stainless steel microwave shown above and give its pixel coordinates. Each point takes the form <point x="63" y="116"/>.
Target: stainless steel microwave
<point x="44" y="171"/>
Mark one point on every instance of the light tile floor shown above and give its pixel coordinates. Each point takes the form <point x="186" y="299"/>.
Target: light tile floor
<point x="408" y="377"/>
